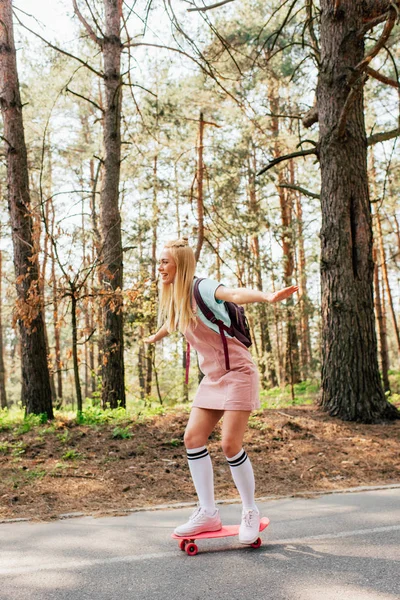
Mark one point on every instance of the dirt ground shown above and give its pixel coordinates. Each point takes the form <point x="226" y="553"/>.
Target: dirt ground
<point x="80" y="468"/>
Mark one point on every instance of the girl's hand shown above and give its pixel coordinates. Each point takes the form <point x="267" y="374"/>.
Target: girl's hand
<point x="282" y="294"/>
<point x="150" y="340"/>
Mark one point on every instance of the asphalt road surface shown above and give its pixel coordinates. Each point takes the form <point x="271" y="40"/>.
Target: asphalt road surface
<point x="330" y="547"/>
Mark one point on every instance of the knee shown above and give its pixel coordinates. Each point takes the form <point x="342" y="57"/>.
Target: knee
<point x="193" y="439"/>
<point x="230" y="446"/>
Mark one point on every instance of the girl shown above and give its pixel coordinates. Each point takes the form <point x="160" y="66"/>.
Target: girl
<point x="229" y="394"/>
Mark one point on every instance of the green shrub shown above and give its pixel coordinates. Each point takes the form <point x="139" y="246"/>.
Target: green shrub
<point x="95" y="415"/>
<point x="175" y="443"/>
<point x="35" y="474"/>
<point x="18" y="448"/>
<point x="121" y="433"/>
<point x="71" y="455"/>
<point x="31" y="421"/>
<point x="63" y="437"/>
<point x="4" y="447"/>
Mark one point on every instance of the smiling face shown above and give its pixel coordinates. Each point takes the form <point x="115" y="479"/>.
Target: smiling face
<point x="167" y="267"/>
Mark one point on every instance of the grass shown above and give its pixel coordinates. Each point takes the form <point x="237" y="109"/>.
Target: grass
<point x="71" y="455"/>
<point x="92" y="415"/>
<point x="304" y="393"/>
<point x="121" y="433"/>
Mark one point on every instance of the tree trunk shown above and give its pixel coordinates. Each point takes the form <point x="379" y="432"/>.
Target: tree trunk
<point x="3" y="395"/>
<point x="184" y="363"/>
<point x="200" y="176"/>
<point x="113" y="375"/>
<point x="292" y="363"/>
<point x="386" y="278"/>
<point x="75" y="359"/>
<point x="96" y="249"/>
<point x="36" y="392"/>
<point x="380" y="317"/>
<point x="267" y="361"/>
<point x="150" y="350"/>
<point x="57" y="337"/>
<point x="42" y="280"/>
<point x="305" y="339"/>
<point x="278" y="335"/>
<point x="141" y="364"/>
<point x="351" y="385"/>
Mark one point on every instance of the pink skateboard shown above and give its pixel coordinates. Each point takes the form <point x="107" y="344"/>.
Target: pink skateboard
<point x="188" y="544"/>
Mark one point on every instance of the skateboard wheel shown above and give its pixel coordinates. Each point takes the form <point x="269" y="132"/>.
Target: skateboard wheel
<point x="257" y="543"/>
<point x="182" y="544"/>
<point x="191" y="549"/>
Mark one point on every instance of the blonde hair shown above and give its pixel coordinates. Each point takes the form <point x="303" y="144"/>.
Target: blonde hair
<point x="175" y="307"/>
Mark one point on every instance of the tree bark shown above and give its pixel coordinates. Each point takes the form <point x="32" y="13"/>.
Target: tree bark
<point x="351" y="385"/>
<point x="141" y="364"/>
<point x="267" y="361"/>
<point x="96" y="249"/>
<point x="42" y="279"/>
<point x="57" y="337"/>
<point x="150" y="351"/>
<point x="292" y="363"/>
<point x="3" y="394"/>
<point x="199" y="177"/>
<point x="113" y="372"/>
<point x="305" y="339"/>
<point x="386" y="278"/>
<point x="78" y="389"/>
<point x="380" y="317"/>
<point x="36" y="392"/>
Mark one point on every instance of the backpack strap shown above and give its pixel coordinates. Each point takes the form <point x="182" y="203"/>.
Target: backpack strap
<point x="207" y="312"/>
<point x="187" y="363"/>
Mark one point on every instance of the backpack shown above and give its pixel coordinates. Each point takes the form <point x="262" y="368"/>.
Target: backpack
<point x="239" y="325"/>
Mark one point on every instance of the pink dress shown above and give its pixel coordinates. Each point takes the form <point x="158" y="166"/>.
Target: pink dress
<point x="220" y="389"/>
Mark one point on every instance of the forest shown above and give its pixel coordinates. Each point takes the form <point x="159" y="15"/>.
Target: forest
<point x="267" y="132"/>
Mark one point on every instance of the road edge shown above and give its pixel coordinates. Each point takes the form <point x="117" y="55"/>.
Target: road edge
<point x="178" y="505"/>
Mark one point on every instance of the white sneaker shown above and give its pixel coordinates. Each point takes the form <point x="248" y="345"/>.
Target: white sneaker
<point x="250" y="527"/>
<point x="199" y="522"/>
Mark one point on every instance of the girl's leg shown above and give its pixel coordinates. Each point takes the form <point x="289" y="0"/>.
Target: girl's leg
<point x="206" y="517"/>
<point x="233" y="429"/>
<point x="201" y="424"/>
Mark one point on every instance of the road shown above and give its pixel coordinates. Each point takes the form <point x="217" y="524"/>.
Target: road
<point x="324" y="548"/>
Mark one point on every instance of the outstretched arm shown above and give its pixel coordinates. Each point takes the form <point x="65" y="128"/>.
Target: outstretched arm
<point x="246" y="296"/>
<point x="156" y="337"/>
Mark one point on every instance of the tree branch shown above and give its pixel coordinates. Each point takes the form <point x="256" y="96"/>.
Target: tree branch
<point x="6" y="141"/>
<point x="298" y="188"/>
<point x="358" y="76"/>
<point x="355" y="90"/>
<point x="86" y="25"/>
<point x="376" y="8"/>
<point x="210" y="7"/>
<point x="141" y="87"/>
<point x="82" y="62"/>
<point x="383" y="137"/>
<point x="94" y="18"/>
<point x="382" y="78"/>
<point x="310" y="25"/>
<point x="336" y="7"/>
<point x="391" y="20"/>
<point x="84" y="98"/>
<point x="371" y="24"/>
<point x="280" y="159"/>
<point x="310" y="117"/>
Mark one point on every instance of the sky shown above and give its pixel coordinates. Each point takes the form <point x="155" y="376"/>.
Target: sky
<point x="51" y="14"/>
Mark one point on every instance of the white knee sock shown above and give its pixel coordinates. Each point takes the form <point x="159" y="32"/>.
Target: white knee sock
<point x="243" y="476"/>
<point x="203" y="477"/>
